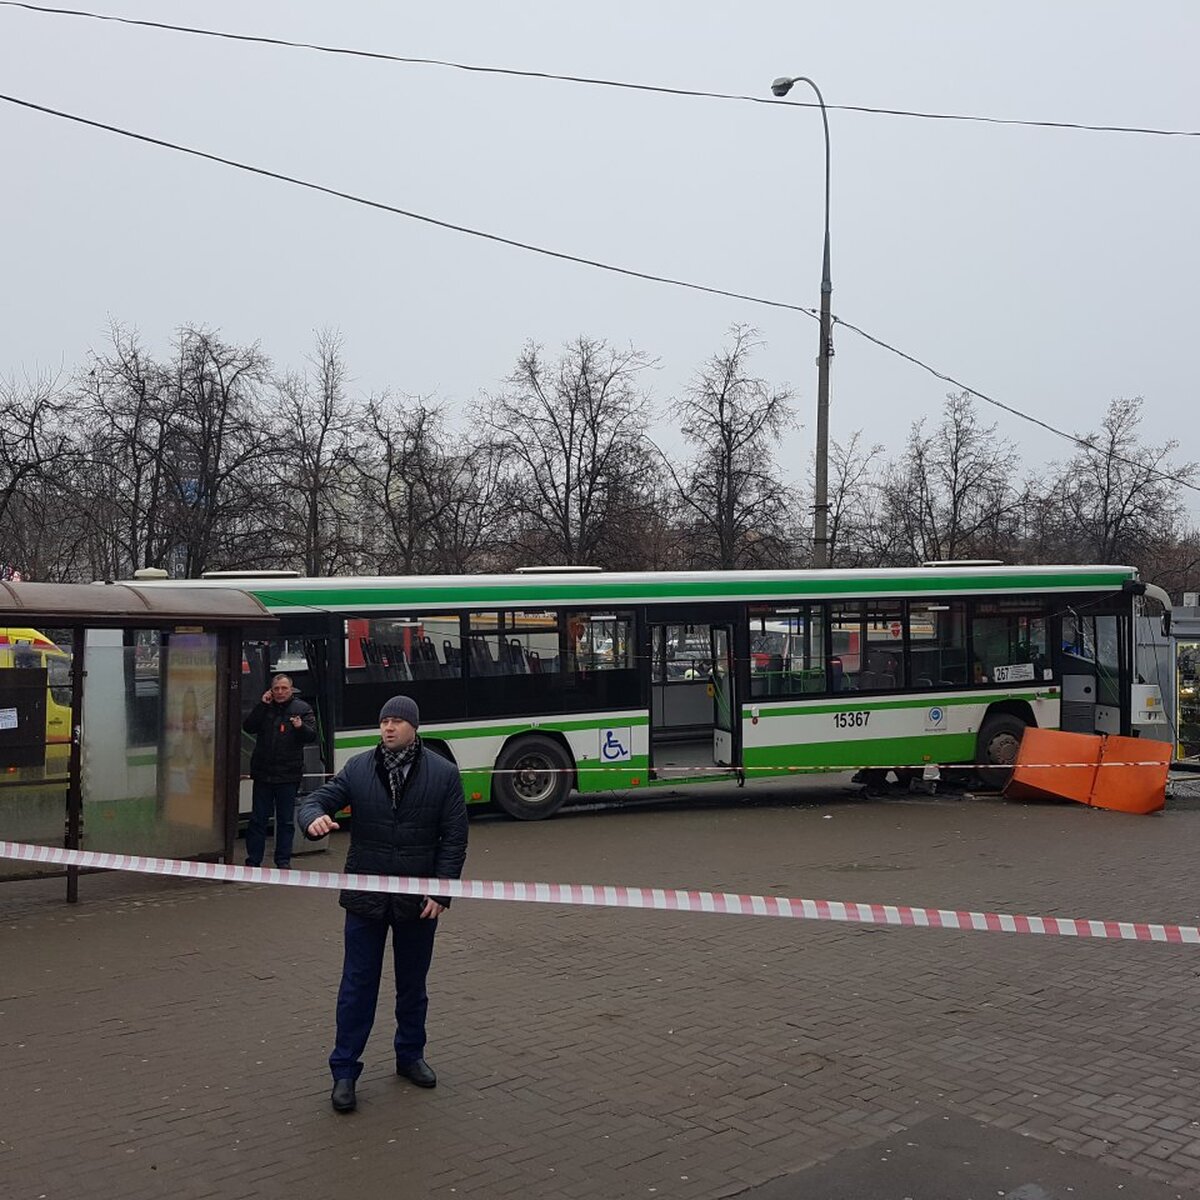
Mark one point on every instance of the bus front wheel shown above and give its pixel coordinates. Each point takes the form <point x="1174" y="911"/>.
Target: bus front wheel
<point x="533" y="777"/>
<point x="996" y="748"/>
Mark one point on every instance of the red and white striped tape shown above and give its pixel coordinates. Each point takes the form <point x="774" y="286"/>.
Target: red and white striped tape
<point x="620" y="896"/>
<point x="775" y="769"/>
<point x="829" y="768"/>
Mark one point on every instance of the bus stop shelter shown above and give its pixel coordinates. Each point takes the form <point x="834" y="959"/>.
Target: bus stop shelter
<point x="1185" y="679"/>
<point x="1172" y="660"/>
<point x="120" y="718"/>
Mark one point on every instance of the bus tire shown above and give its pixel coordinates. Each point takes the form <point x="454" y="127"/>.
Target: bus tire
<point x="996" y="748"/>
<point x="533" y="777"/>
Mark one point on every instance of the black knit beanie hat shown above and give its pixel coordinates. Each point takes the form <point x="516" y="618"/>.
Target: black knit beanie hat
<point x="403" y="708"/>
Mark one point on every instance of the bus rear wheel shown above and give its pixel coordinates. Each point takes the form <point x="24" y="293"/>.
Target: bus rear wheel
<point x="533" y="777"/>
<point x="996" y="748"/>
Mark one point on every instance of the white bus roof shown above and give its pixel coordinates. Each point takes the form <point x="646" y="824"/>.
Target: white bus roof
<point x="364" y="593"/>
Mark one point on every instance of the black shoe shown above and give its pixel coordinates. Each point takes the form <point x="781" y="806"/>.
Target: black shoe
<point x="419" y="1072"/>
<point x="251" y="863"/>
<point x="342" y="1097"/>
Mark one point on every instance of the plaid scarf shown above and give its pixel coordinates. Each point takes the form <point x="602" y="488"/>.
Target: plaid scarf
<point x="395" y="761"/>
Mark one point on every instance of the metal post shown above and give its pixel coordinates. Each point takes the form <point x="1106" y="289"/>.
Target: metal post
<point x="821" y="491"/>
<point x="781" y="87"/>
<point x="74" y="829"/>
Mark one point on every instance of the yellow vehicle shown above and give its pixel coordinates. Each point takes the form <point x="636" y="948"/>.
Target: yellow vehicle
<point x="31" y="648"/>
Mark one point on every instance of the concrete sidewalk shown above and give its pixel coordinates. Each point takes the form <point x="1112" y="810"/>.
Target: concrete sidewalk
<point x="167" y="1038"/>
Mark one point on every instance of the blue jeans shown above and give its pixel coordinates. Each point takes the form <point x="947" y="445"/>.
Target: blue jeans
<point x="412" y="952"/>
<point x="269" y="800"/>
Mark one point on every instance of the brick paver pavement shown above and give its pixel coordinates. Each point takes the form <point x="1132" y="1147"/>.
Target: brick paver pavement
<point x="167" y="1038"/>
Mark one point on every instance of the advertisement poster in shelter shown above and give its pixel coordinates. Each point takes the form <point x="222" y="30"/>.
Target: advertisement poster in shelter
<point x="190" y="707"/>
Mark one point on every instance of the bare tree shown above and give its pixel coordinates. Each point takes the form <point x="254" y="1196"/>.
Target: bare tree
<point x="1117" y="499"/>
<point x="1175" y="564"/>
<point x="317" y="443"/>
<point x="31" y="440"/>
<point x="402" y="452"/>
<point x="42" y="535"/>
<point x="735" y="502"/>
<point x="215" y="454"/>
<point x="573" y="432"/>
<point x="174" y="457"/>
<point x="470" y="508"/>
<point x="854" y="499"/>
<point x="36" y="457"/>
<point x="124" y="409"/>
<point x="951" y="494"/>
<point x="443" y="495"/>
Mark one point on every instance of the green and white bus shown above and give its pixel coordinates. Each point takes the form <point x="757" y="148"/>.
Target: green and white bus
<point x="540" y="685"/>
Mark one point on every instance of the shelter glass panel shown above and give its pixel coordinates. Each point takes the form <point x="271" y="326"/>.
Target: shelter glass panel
<point x="1187" y="684"/>
<point x="35" y="738"/>
<point x="150" y="715"/>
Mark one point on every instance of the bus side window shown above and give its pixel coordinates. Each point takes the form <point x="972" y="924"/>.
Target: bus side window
<point x="787" y="650"/>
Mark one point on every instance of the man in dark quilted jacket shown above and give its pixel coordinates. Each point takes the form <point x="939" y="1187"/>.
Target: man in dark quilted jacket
<point x="283" y="725"/>
<point x="409" y="818"/>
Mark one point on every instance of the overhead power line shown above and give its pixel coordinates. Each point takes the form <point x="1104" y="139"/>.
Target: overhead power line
<point x="404" y="212"/>
<point x="1082" y="442"/>
<point x="565" y="257"/>
<point x="380" y="56"/>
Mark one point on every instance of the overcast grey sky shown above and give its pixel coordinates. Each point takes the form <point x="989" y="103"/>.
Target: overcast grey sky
<point x="1050" y="269"/>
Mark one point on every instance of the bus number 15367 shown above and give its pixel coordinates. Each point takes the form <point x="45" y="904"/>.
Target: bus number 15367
<point x="843" y="720"/>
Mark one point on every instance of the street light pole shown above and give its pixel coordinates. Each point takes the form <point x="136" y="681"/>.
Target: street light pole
<point x="781" y="87"/>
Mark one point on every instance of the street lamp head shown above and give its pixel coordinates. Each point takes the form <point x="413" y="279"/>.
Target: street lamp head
<point x="782" y="86"/>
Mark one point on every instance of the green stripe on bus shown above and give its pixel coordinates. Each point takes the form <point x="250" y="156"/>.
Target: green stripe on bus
<point x="477" y="785"/>
<point x="613" y="777"/>
<point x="863" y="752"/>
<point x="911" y="702"/>
<point x="694" y="779"/>
<point x="362" y="596"/>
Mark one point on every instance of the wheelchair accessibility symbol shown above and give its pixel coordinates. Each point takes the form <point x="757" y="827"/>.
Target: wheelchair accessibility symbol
<point x="615" y="745"/>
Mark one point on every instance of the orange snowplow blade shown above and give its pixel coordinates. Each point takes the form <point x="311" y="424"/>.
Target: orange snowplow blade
<point x="1133" y="775"/>
<point x="1100" y="770"/>
<point x="1052" y="765"/>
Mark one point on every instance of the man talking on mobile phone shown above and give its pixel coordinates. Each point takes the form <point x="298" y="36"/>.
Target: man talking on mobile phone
<point x="283" y="724"/>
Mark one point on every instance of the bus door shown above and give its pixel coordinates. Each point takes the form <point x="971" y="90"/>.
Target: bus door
<point x="724" y="708"/>
<point x="319" y="756"/>
<point x="693" y="709"/>
<point x="1093" y="676"/>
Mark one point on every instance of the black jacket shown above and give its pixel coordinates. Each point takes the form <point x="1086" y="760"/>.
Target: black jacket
<point x="423" y="833"/>
<point x="279" y="751"/>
